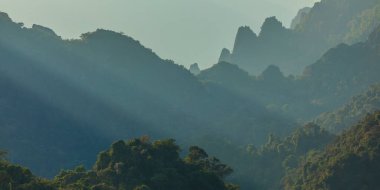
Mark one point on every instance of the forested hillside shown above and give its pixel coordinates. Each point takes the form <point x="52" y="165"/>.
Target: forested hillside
<point x="357" y="108"/>
<point x="134" y="165"/>
<point x="264" y="167"/>
<point x="351" y="162"/>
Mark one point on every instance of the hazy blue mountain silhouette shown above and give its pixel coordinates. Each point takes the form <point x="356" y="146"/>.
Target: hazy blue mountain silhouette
<point x="313" y="32"/>
<point x="85" y="93"/>
<point x="342" y="72"/>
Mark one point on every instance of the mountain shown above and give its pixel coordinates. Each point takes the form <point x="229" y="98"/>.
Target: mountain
<point x="65" y="100"/>
<point x="328" y="83"/>
<point x="266" y="166"/>
<point x="343" y="72"/>
<point x="225" y="55"/>
<point x="225" y="74"/>
<point x="314" y="30"/>
<point x="336" y="21"/>
<point x="275" y="45"/>
<point x="302" y="13"/>
<point x="351" y="162"/>
<point x="357" y="108"/>
<point x="194" y="68"/>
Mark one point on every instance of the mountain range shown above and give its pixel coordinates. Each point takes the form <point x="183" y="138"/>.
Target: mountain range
<point x="314" y="30"/>
<point x="282" y="109"/>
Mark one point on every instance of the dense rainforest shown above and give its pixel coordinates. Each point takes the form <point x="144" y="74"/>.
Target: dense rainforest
<point x="287" y="108"/>
<point x="134" y="165"/>
<point x="351" y="162"/>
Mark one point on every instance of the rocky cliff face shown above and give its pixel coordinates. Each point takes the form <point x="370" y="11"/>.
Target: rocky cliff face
<point x="275" y="45"/>
<point x="302" y="13"/>
<point x="225" y="56"/>
<point x="313" y="32"/>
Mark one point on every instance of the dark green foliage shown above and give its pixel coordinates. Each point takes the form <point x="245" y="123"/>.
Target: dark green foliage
<point x="134" y="165"/>
<point x="351" y="162"/>
<point x="199" y="157"/>
<point x="142" y="165"/>
<point x="263" y="167"/>
<point x="19" y="178"/>
<point x="269" y="164"/>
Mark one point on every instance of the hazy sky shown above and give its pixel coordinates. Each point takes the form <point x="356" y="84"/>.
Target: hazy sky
<point x="185" y="31"/>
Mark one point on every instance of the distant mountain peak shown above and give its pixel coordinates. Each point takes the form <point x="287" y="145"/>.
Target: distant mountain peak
<point x="243" y="30"/>
<point x="244" y="38"/>
<point x="225" y="55"/>
<point x="271" y="25"/>
<point x="194" y="68"/>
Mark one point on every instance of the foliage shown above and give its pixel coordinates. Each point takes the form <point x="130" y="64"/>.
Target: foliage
<point x="134" y="165"/>
<point x="19" y="178"/>
<point x="351" y="162"/>
<point x="142" y="165"/>
<point x="270" y="163"/>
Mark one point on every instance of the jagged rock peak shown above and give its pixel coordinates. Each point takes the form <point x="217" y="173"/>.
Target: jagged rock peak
<point x="271" y="26"/>
<point x="194" y="68"/>
<point x="245" y="37"/>
<point x="246" y="31"/>
<point x="302" y="13"/>
<point x="225" y="55"/>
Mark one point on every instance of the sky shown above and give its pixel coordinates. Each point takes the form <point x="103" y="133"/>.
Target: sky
<point x="186" y="31"/>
